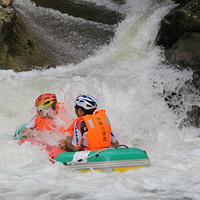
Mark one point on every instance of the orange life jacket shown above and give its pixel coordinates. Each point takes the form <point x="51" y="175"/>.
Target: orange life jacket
<point x="99" y="130"/>
<point x="70" y="129"/>
<point x="45" y="123"/>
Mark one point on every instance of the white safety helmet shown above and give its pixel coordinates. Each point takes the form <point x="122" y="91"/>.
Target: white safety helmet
<point x="86" y="101"/>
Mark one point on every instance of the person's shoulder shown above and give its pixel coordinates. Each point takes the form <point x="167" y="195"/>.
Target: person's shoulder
<point x="100" y="111"/>
<point x="79" y="120"/>
<point x="34" y="117"/>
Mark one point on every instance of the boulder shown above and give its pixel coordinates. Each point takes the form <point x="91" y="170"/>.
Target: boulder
<point x="7" y="22"/>
<point x="185" y="51"/>
<point x="179" y="31"/>
<point x="22" y="45"/>
<point x="22" y="50"/>
<point x="193" y="117"/>
<point x="179" y="35"/>
<point x="84" y="10"/>
<point x="180" y="1"/>
<point x="5" y="3"/>
<point x="196" y="79"/>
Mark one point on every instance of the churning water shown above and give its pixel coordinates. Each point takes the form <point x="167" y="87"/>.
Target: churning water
<point x="127" y="76"/>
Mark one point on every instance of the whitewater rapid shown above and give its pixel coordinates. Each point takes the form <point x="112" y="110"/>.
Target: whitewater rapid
<point x="127" y="77"/>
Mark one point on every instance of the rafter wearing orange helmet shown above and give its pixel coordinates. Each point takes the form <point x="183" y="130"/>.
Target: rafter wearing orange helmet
<point x="51" y="116"/>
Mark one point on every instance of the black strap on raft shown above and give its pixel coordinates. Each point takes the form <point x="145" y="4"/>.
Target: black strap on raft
<point x="121" y="145"/>
<point x="95" y="155"/>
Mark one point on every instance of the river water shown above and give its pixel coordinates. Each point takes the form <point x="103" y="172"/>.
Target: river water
<point x="128" y="76"/>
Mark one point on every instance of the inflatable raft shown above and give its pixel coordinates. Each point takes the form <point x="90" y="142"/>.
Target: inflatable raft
<point x="120" y="159"/>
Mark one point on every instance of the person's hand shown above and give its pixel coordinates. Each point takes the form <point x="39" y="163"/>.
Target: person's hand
<point x="115" y="144"/>
<point x="63" y="143"/>
<point x="66" y="143"/>
<point x="27" y="132"/>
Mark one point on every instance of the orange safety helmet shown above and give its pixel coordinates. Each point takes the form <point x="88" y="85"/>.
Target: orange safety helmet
<point x="45" y="101"/>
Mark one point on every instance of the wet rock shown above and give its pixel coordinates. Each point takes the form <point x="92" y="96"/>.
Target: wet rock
<point x="176" y="100"/>
<point x="196" y="79"/>
<point x="85" y="10"/>
<point x="20" y="47"/>
<point x="25" y="48"/>
<point x="173" y="100"/>
<point x="184" y="18"/>
<point x="7" y="22"/>
<point x="179" y="32"/>
<point x="180" y="1"/>
<point x="185" y="52"/>
<point x="193" y="117"/>
<point x="22" y="50"/>
<point x="5" y="3"/>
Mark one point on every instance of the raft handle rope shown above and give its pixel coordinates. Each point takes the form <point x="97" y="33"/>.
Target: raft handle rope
<point x="95" y="155"/>
<point x="82" y="159"/>
<point x="121" y="145"/>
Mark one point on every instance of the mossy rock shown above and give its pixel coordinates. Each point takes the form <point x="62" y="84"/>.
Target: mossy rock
<point x="184" y="18"/>
<point x="22" y="50"/>
<point x="186" y="51"/>
<point x="7" y="22"/>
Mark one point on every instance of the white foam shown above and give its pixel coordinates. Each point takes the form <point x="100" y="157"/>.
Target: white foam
<point x="127" y="77"/>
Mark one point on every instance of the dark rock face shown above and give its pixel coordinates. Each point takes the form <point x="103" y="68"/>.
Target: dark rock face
<point x="175" y="101"/>
<point x="83" y="10"/>
<point x="7" y="21"/>
<point x="193" y="117"/>
<point x="181" y="1"/>
<point x="21" y="45"/>
<point x="185" y="51"/>
<point x="22" y="51"/>
<point x="184" y="18"/>
<point x="179" y="32"/>
<point x="196" y="79"/>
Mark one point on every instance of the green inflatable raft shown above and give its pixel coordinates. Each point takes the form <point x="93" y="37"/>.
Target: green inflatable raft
<point x="121" y="158"/>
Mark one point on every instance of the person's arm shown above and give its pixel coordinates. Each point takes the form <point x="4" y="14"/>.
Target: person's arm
<point x="29" y="131"/>
<point x="67" y="145"/>
<point x="114" y="142"/>
<point x="72" y="143"/>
